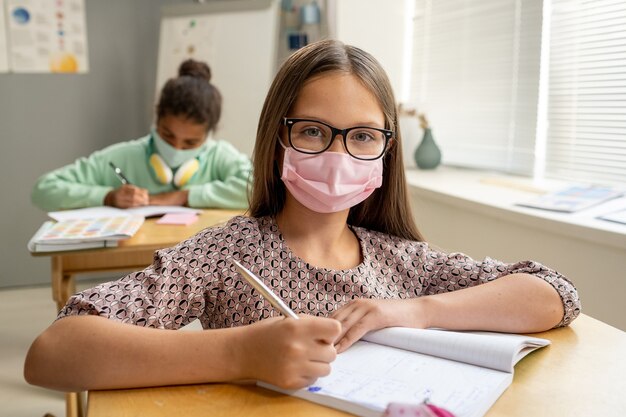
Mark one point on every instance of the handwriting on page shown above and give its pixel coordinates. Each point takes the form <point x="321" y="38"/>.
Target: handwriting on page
<point x="400" y="376"/>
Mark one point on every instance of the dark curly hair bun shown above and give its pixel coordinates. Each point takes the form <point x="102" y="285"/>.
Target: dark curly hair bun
<point x="193" y="68"/>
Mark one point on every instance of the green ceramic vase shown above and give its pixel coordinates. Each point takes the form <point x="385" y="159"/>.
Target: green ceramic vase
<point x="427" y="154"/>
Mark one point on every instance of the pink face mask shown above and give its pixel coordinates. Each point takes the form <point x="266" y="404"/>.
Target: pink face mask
<point x="331" y="181"/>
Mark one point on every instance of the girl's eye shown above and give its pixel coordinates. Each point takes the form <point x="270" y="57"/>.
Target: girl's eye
<point x="167" y="136"/>
<point x="362" y="136"/>
<point x="312" y="131"/>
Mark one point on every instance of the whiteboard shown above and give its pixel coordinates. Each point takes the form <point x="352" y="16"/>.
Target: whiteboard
<point x="238" y="40"/>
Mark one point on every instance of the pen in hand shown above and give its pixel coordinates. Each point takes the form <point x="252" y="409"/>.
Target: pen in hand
<point x="120" y="175"/>
<point x="128" y="195"/>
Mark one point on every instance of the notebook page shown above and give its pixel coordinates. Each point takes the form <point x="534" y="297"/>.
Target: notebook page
<point x="152" y="211"/>
<point x="86" y="213"/>
<point x="106" y="211"/>
<point x="368" y="376"/>
<point x="492" y="350"/>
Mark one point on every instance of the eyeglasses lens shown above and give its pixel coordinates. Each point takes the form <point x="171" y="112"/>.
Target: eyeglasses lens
<point x="314" y="137"/>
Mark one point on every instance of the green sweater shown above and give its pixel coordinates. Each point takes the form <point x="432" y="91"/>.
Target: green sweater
<point x="221" y="180"/>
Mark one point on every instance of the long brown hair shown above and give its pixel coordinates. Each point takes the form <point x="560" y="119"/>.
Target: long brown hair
<point x="387" y="209"/>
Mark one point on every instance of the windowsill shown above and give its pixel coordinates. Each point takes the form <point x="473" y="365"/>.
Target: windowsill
<point x="495" y="195"/>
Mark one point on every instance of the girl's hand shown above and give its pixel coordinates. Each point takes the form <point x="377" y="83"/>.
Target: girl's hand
<point x="127" y="196"/>
<point x="360" y="316"/>
<point x="290" y="353"/>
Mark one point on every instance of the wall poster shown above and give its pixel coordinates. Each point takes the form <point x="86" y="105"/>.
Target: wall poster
<point x="46" y="36"/>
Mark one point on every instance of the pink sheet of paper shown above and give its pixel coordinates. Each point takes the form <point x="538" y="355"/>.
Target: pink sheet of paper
<point x="183" y="219"/>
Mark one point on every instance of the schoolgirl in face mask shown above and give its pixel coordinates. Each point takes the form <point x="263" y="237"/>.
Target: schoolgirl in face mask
<point x="330" y="231"/>
<point x="176" y="164"/>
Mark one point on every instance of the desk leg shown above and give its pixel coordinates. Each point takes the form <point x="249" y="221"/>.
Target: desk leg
<point x="63" y="286"/>
<point x="74" y="404"/>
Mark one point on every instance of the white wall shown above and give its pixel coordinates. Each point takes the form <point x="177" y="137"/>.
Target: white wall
<point x="376" y="26"/>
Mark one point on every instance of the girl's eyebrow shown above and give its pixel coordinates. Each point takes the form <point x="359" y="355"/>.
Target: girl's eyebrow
<point x="321" y="119"/>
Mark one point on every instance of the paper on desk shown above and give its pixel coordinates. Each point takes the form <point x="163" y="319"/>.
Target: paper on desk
<point x="573" y="199"/>
<point x="152" y="211"/>
<point x="617" y="217"/>
<point x="105" y="211"/>
<point x="184" y="219"/>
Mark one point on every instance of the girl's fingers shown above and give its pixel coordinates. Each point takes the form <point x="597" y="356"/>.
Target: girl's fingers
<point x="348" y="323"/>
<point x="316" y="370"/>
<point x="353" y="334"/>
<point x="324" y="353"/>
<point x="345" y="313"/>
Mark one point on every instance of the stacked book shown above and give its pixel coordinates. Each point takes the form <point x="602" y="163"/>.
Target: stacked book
<point x="96" y="227"/>
<point x="84" y="233"/>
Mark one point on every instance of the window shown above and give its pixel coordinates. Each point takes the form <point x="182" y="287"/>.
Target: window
<point x="476" y="75"/>
<point x="506" y="88"/>
<point x="586" y="112"/>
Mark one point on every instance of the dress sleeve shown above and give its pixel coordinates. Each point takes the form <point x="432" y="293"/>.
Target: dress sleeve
<point x="166" y="295"/>
<point x="454" y="271"/>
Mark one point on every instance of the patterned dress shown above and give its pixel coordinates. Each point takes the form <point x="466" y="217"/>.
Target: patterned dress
<point x="196" y="280"/>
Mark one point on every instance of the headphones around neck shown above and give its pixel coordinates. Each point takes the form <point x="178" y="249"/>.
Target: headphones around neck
<point x="164" y="174"/>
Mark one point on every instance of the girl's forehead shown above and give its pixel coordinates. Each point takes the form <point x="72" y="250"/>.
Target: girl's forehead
<point x="339" y="97"/>
<point x="182" y="126"/>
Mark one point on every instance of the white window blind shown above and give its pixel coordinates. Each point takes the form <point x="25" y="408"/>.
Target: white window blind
<point x="586" y="135"/>
<point x="475" y="74"/>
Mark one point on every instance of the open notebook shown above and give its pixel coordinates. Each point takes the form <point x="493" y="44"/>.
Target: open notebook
<point x="464" y="372"/>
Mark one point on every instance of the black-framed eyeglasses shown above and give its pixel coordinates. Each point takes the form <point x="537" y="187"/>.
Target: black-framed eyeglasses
<point x="313" y="137"/>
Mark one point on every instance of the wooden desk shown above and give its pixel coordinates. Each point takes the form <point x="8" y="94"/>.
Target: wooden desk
<point x="583" y="373"/>
<point x="132" y="254"/>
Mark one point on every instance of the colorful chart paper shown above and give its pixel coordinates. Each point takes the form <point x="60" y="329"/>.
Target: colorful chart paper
<point x="120" y="227"/>
<point x="46" y="36"/>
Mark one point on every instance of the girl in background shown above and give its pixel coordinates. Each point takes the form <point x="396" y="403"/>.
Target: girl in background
<point x="176" y="164"/>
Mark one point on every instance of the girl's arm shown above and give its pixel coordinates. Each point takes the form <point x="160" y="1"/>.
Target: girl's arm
<point x="89" y="352"/>
<point x="77" y="185"/>
<point x="516" y="303"/>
